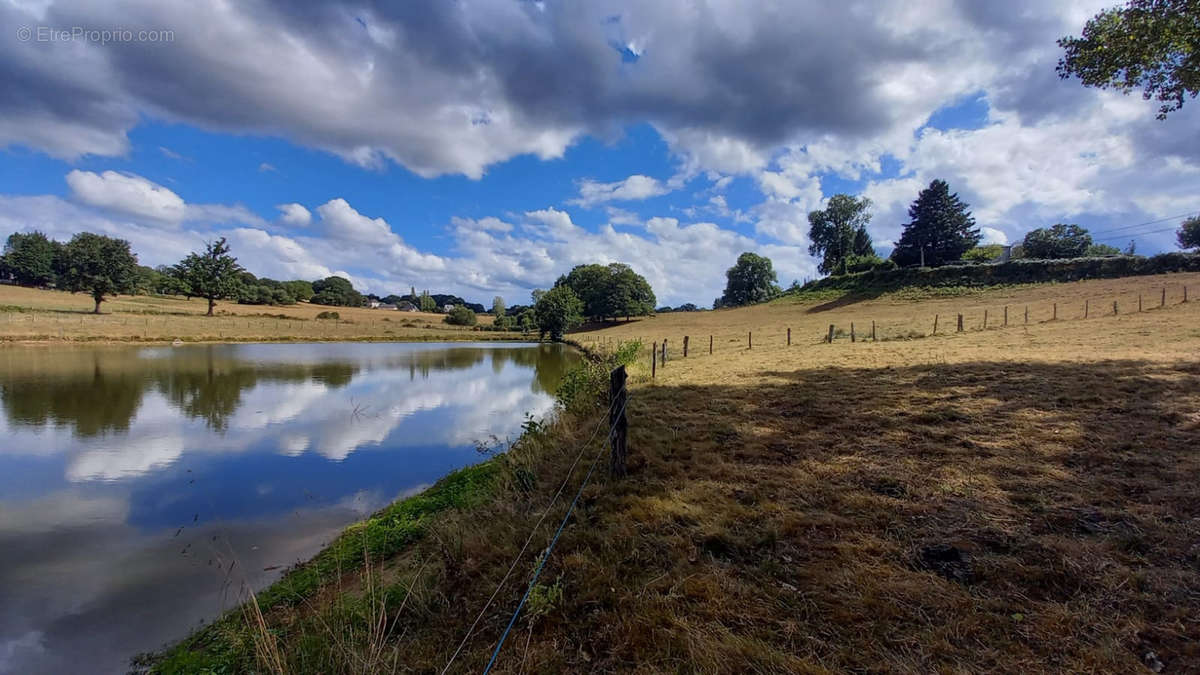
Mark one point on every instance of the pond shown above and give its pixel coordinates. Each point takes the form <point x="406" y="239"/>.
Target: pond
<point x="133" y="478"/>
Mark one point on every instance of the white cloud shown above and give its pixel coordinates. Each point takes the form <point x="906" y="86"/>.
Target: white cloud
<point x="992" y="236"/>
<point x="341" y="221"/>
<point x="634" y="188"/>
<point x="127" y="194"/>
<point x="266" y="167"/>
<point x="294" y="214"/>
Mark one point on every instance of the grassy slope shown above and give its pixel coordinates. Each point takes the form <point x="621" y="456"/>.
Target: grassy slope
<point x="28" y="315"/>
<point x="779" y="500"/>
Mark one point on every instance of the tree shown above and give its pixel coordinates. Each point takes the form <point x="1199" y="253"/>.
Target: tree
<point x="557" y="311"/>
<point x="1058" y="241"/>
<point x="752" y="279"/>
<point x="32" y="258"/>
<point x="1188" y="233"/>
<point x="99" y="265"/>
<point x="301" y="290"/>
<point x="984" y="253"/>
<point x="1153" y="45"/>
<point x="609" y="290"/>
<point x="940" y="231"/>
<point x="460" y="315"/>
<point x="497" y="307"/>
<point x="839" y="231"/>
<point x="1102" y="249"/>
<point x="427" y="303"/>
<point x="336" y="292"/>
<point x="212" y="275"/>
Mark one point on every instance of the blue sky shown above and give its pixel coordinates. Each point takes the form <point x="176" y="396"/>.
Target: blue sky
<point x="486" y="150"/>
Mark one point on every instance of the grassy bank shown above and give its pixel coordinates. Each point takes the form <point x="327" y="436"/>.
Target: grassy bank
<point x="1011" y="499"/>
<point x="34" y="315"/>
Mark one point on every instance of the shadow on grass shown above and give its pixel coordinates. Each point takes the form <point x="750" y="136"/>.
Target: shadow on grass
<point x="850" y="298"/>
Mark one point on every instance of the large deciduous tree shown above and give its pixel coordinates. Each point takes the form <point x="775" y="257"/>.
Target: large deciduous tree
<point x="941" y="228"/>
<point x="337" y="292"/>
<point x="1057" y="241"/>
<point x="751" y="279"/>
<point x="609" y="290"/>
<point x="99" y="265"/>
<point x="556" y="311"/>
<point x="1152" y="45"/>
<point x="214" y="274"/>
<point x="32" y="259"/>
<point x="1188" y="234"/>
<point x="839" y="231"/>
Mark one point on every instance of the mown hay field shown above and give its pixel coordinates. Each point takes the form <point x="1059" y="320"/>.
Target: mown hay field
<point x="28" y="314"/>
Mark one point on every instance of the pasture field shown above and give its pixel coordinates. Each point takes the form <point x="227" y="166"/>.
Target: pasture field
<point x="1015" y="499"/>
<point x="28" y="315"/>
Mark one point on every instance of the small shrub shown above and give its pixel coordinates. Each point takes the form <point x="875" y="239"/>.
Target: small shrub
<point x="460" y="315"/>
<point x="328" y="315"/>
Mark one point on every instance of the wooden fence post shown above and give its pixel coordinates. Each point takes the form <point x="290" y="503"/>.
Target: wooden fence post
<point x="985" y="319"/>
<point x="749" y="340"/>
<point x="852" y="331"/>
<point x="1006" y="315"/>
<point x="872" y="330"/>
<point x="1055" y="316"/>
<point x="1139" y="302"/>
<point x="1026" y="315"/>
<point x="1114" y="307"/>
<point x="685" y="346"/>
<point x="664" y="353"/>
<point x="710" y="345"/>
<point x="830" y="339"/>
<point x="789" y="338"/>
<point x="1185" y="293"/>
<point x="618" y="424"/>
<point x="1086" y="308"/>
<point x="1163" y="303"/>
<point x="935" y="318"/>
<point x="653" y="360"/>
<point x="960" y="323"/>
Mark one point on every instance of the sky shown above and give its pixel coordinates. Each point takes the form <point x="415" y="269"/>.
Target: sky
<point x="485" y="147"/>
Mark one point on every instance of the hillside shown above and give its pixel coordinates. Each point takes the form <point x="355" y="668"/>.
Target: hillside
<point x="1013" y="499"/>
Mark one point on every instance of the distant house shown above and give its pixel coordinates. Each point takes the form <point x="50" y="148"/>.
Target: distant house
<point x="1006" y="254"/>
<point x="386" y="306"/>
<point x="406" y="306"/>
<point x="447" y="308"/>
<point x="374" y="304"/>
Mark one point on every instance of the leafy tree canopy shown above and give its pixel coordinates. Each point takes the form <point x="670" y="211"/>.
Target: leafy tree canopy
<point x="460" y="315"/>
<point x="1102" y="249"/>
<point x="1058" y="241"/>
<point x="556" y="311"/>
<point x="609" y="290"/>
<point x="840" y="231"/>
<point x="213" y="274"/>
<point x="752" y="279"/>
<point x="32" y="259"/>
<point x="336" y="292"/>
<point x="940" y="225"/>
<point x="1152" y="45"/>
<point x="301" y="290"/>
<point x="984" y="253"/>
<point x="99" y="265"/>
<point x="1188" y="233"/>
<point x="498" y="306"/>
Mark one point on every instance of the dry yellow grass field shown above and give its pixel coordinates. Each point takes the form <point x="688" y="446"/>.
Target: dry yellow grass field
<point x="28" y="314"/>
<point x="1016" y="499"/>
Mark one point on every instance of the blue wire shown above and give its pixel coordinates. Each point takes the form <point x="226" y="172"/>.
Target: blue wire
<point x="541" y="565"/>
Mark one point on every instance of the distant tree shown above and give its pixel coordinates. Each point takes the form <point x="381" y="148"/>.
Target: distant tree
<point x="1058" y="241"/>
<point x="941" y="228"/>
<point x="839" y="231"/>
<point x="99" y="265"/>
<point x="687" y="307"/>
<point x="426" y="303"/>
<point x="498" y="306"/>
<point x="752" y="279"/>
<point x="299" y="289"/>
<point x="1189" y="233"/>
<point x="32" y="258"/>
<point x="336" y="292"/>
<point x="1131" y="249"/>
<point x="557" y="311"/>
<point x="1102" y="249"/>
<point x="609" y="290"/>
<point x="984" y="253"/>
<point x="460" y="315"/>
<point x="169" y="281"/>
<point x="1152" y="45"/>
<point x="527" y="320"/>
<point x="214" y="274"/>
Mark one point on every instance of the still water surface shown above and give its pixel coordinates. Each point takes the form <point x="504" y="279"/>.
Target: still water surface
<point x="132" y="478"/>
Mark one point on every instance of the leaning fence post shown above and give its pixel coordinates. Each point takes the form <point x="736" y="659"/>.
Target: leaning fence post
<point x="935" y="318"/>
<point x="653" y="360"/>
<point x="685" y="346"/>
<point x="618" y="424"/>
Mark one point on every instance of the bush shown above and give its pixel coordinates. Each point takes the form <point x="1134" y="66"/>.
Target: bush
<point x="328" y="315"/>
<point x="460" y="316"/>
<point x="586" y="386"/>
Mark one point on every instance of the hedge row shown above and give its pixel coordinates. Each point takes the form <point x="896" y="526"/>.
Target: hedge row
<point x="1014" y="272"/>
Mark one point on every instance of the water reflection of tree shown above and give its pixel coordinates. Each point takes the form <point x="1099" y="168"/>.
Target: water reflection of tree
<point x="101" y="390"/>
